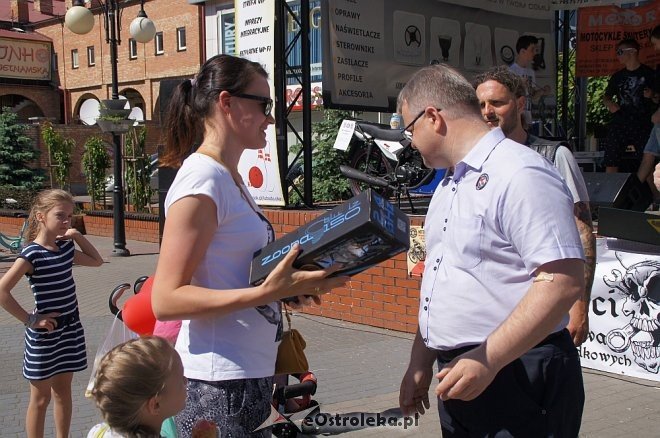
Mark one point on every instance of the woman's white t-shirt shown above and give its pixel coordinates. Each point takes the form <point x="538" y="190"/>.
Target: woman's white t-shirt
<point x="242" y="344"/>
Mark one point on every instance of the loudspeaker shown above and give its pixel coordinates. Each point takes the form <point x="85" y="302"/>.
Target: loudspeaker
<point x="165" y="92"/>
<point x="617" y="190"/>
<point x="165" y="174"/>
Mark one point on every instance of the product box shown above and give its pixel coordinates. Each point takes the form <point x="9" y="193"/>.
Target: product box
<point x="360" y="233"/>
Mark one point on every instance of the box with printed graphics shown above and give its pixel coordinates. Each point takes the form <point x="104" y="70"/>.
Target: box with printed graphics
<point x="360" y="233"/>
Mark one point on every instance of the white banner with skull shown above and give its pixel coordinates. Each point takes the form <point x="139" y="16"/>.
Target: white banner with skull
<point x="624" y="332"/>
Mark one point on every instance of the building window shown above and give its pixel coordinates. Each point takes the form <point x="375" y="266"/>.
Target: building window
<point x="91" y="61"/>
<point x="55" y="62"/>
<point x="132" y="49"/>
<point x="74" y="58"/>
<point x="159" y="43"/>
<point x="181" y="39"/>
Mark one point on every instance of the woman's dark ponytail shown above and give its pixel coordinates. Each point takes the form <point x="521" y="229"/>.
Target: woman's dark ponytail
<point x="182" y="125"/>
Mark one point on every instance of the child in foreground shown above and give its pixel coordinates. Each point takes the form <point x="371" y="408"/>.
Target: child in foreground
<point x="139" y="384"/>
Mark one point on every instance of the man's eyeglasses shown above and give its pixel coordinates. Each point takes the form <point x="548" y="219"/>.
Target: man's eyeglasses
<point x="620" y="52"/>
<point x="266" y="101"/>
<point x="408" y="130"/>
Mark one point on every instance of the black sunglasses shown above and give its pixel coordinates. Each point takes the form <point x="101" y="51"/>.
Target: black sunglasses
<point x="620" y="52"/>
<point x="407" y="132"/>
<point x="266" y="101"/>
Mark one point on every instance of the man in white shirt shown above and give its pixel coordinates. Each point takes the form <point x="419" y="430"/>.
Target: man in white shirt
<point x="504" y="265"/>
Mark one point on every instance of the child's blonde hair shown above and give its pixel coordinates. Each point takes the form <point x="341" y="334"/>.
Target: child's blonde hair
<point x="127" y="377"/>
<point x="43" y="202"/>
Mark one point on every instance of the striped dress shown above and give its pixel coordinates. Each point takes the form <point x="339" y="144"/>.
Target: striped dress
<point x="63" y="349"/>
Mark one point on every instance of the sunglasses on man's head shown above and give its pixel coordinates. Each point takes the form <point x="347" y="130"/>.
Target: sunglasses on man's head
<point x="267" y="102"/>
<point x="620" y="52"/>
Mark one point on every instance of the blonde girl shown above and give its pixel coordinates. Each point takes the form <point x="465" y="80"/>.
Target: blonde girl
<point x="54" y="336"/>
<point x="138" y="385"/>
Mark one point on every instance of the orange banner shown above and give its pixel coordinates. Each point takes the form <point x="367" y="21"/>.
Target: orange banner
<point x="600" y="28"/>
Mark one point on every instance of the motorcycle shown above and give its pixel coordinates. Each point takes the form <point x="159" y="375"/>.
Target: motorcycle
<point x="382" y="158"/>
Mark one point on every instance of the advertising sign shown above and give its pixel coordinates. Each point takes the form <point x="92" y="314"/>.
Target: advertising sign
<point x="255" y="37"/>
<point x="624" y="329"/>
<point x="23" y="59"/>
<point x="370" y="49"/>
<point x="600" y="28"/>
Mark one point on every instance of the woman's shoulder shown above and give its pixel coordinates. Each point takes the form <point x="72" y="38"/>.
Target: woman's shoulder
<point x="199" y="171"/>
<point x="202" y="163"/>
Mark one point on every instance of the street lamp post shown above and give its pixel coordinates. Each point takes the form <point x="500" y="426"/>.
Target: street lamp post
<point x="80" y="20"/>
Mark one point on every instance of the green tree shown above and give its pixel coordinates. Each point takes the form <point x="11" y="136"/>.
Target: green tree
<point x="328" y="183"/>
<point x="138" y="173"/>
<point x="60" y="150"/>
<point x="95" y="162"/>
<point x="17" y="151"/>
<point x="597" y="115"/>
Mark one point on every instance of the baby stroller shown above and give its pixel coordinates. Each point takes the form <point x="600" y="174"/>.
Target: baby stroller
<point x="288" y="399"/>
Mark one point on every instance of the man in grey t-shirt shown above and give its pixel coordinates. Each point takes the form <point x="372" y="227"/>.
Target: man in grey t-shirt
<point x="502" y="99"/>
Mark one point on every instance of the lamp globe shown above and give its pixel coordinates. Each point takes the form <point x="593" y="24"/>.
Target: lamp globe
<point x="79" y="20"/>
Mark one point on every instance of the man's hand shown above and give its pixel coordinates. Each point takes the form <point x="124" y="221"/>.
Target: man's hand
<point x="578" y="324"/>
<point x="414" y="391"/>
<point x="612" y="106"/>
<point x="467" y="376"/>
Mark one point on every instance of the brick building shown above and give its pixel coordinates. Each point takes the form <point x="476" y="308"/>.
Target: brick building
<point x="79" y="67"/>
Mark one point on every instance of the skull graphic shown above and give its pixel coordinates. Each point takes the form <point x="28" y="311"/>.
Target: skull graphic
<point x="641" y="287"/>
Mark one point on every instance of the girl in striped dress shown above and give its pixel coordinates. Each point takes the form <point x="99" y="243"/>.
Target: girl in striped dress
<point x="54" y="336"/>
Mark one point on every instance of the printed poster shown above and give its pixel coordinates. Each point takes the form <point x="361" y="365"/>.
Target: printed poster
<point x="624" y="324"/>
<point x="600" y="28"/>
<point x="417" y="252"/>
<point x="370" y="49"/>
<point x="255" y="37"/>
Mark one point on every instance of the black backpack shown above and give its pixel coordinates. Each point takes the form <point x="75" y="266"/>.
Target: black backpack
<point x="547" y="148"/>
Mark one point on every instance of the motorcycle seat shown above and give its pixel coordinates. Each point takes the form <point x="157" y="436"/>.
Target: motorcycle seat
<point x="387" y="134"/>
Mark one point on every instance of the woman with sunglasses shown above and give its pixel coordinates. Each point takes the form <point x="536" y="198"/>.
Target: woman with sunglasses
<point x="230" y="331"/>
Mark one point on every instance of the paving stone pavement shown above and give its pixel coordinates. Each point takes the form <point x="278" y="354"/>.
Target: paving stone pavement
<point x="358" y="367"/>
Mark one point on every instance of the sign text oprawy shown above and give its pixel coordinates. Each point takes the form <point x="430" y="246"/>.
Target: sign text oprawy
<point x="357" y="36"/>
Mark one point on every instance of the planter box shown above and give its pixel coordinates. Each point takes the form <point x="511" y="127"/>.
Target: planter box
<point x="116" y="127"/>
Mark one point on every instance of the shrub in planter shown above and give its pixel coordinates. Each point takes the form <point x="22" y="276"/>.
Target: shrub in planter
<point x="60" y="150"/>
<point x="328" y="183"/>
<point x="23" y="197"/>
<point x="95" y="163"/>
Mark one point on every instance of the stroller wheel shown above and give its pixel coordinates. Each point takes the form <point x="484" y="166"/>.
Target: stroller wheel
<point x="285" y="431"/>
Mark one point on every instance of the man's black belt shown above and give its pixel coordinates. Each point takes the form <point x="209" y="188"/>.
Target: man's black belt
<point x="449" y="355"/>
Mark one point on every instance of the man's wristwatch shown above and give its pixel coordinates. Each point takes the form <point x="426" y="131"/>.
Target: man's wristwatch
<point x="33" y="317"/>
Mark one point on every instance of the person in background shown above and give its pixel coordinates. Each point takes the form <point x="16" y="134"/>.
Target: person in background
<point x="504" y="265"/>
<point x="652" y="148"/>
<point x="526" y="49"/>
<point x="501" y="96"/>
<point x="231" y="330"/>
<point x="138" y="385"/>
<point x="628" y="98"/>
<point x="54" y="335"/>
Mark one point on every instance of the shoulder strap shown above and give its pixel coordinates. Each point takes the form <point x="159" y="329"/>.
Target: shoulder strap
<point x="548" y="150"/>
